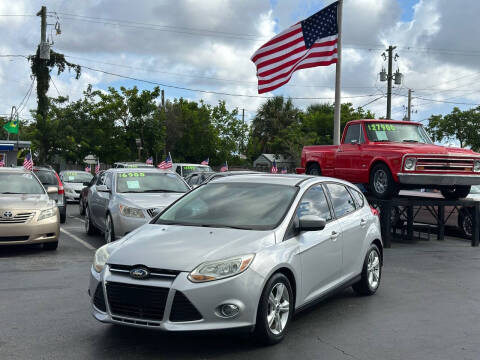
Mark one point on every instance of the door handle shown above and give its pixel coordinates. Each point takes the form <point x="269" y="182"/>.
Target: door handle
<point x="334" y="236"/>
<point x="363" y="222"/>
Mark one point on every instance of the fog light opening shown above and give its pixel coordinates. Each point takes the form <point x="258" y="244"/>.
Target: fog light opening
<point x="228" y="310"/>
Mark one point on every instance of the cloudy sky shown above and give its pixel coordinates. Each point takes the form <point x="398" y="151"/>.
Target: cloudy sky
<point x="206" y="45"/>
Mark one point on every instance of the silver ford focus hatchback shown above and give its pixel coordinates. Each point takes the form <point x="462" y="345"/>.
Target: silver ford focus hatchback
<point x="241" y="251"/>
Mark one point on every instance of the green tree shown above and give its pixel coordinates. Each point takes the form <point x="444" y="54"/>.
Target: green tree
<point x="458" y="125"/>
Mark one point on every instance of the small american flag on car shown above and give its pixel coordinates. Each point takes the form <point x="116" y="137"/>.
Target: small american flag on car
<point x="2" y="162"/>
<point x="88" y="169"/>
<point x="309" y="43"/>
<point x="149" y="161"/>
<point x="205" y="162"/>
<point x="166" y="164"/>
<point x="28" y="162"/>
<point x="284" y="171"/>
<point x="97" y="167"/>
<point x="274" y="169"/>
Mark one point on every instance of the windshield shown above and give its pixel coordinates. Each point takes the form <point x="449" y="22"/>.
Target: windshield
<point x="20" y="183"/>
<point x="236" y="205"/>
<point x="76" y="177"/>
<point x="142" y="182"/>
<point x="386" y="132"/>
<point x="188" y="169"/>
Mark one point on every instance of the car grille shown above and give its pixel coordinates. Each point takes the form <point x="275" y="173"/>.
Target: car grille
<point x="154" y="272"/>
<point x="19" y="218"/>
<point x="13" y="238"/>
<point x="99" y="299"/>
<point x="183" y="309"/>
<point x="446" y="164"/>
<point x="136" y="301"/>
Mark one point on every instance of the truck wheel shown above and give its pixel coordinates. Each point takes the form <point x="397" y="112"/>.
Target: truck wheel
<point x="457" y="192"/>
<point x="465" y="223"/>
<point x="382" y="184"/>
<point x="314" y="169"/>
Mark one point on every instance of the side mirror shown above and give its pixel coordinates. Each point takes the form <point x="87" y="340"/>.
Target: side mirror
<point x="311" y="223"/>
<point x="52" y="190"/>
<point x="354" y="142"/>
<point x="103" y="188"/>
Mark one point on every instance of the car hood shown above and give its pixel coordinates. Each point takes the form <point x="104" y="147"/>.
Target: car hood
<point x="73" y="186"/>
<point x="419" y="148"/>
<point x="150" y="200"/>
<point x="24" y="201"/>
<point x="183" y="248"/>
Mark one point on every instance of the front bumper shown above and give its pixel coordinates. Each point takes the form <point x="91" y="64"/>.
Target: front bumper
<point x="243" y="290"/>
<point x="438" y="179"/>
<point x="122" y="225"/>
<point x="32" y="232"/>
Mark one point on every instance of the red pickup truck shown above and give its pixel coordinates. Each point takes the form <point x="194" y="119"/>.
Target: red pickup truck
<point x="389" y="155"/>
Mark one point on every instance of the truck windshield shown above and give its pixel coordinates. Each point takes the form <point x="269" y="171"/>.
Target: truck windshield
<point x="387" y="132"/>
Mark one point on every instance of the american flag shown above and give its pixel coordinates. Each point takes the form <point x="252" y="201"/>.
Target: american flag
<point x="284" y="171"/>
<point x="88" y="169"/>
<point x="274" y="169"/>
<point x="224" y="167"/>
<point x="149" y="161"/>
<point x="2" y="163"/>
<point x="205" y="162"/>
<point x="166" y="164"/>
<point x="28" y="162"/>
<point x="309" y="43"/>
<point x="97" y="167"/>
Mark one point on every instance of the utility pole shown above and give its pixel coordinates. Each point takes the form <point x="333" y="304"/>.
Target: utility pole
<point x="409" y="109"/>
<point x="243" y="115"/>
<point x="389" y="81"/>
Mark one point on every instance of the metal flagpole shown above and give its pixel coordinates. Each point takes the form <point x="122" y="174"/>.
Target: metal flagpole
<point x="338" y="77"/>
<point x="170" y="156"/>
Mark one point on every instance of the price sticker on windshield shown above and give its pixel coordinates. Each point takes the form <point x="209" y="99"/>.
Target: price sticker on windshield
<point x="71" y="173"/>
<point x="381" y="127"/>
<point x="131" y="174"/>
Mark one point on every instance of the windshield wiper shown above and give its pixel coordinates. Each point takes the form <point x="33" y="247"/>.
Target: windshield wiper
<point x="410" y="141"/>
<point x="8" y="192"/>
<point x="227" y="226"/>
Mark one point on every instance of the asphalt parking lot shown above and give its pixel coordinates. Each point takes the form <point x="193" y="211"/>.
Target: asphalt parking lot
<point x="427" y="307"/>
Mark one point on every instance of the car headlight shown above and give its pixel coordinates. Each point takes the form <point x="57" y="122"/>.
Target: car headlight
<point x="131" y="211"/>
<point x="216" y="270"/>
<point x="100" y="258"/>
<point x="47" y="213"/>
<point x="476" y="166"/>
<point x="410" y="164"/>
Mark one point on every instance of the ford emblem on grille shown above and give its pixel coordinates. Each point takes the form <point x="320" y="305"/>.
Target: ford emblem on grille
<point x="7" y="215"/>
<point x="139" y="273"/>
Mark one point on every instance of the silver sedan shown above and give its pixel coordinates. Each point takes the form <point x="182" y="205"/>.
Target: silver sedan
<point x="121" y="200"/>
<point x="241" y="251"/>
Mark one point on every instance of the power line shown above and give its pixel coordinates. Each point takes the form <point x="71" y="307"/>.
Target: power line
<point x="372" y="101"/>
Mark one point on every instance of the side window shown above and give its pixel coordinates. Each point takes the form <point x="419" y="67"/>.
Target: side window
<point x="193" y="180"/>
<point x="342" y="202"/>
<point x="353" y="133"/>
<point x="179" y="170"/>
<point x="108" y="180"/>
<point x="358" y="198"/>
<point x="314" y="202"/>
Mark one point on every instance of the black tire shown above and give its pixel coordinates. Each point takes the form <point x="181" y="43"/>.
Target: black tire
<point x="263" y="333"/>
<point x="81" y="207"/>
<point x="465" y="223"/>
<point x="386" y="187"/>
<point x="395" y="219"/>
<point x="89" y="228"/>
<point x="50" y="246"/>
<point x="63" y="217"/>
<point x="111" y="237"/>
<point x="457" y="192"/>
<point x="364" y="286"/>
<point x="314" y="169"/>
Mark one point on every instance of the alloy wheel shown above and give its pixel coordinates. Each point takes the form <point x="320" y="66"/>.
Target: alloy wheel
<point x="373" y="269"/>
<point x="278" y="308"/>
<point x="467" y="225"/>
<point x="380" y="181"/>
<point x="108" y="229"/>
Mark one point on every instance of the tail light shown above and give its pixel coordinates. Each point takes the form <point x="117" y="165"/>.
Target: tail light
<point x="374" y="211"/>
<point x="60" y="185"/>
